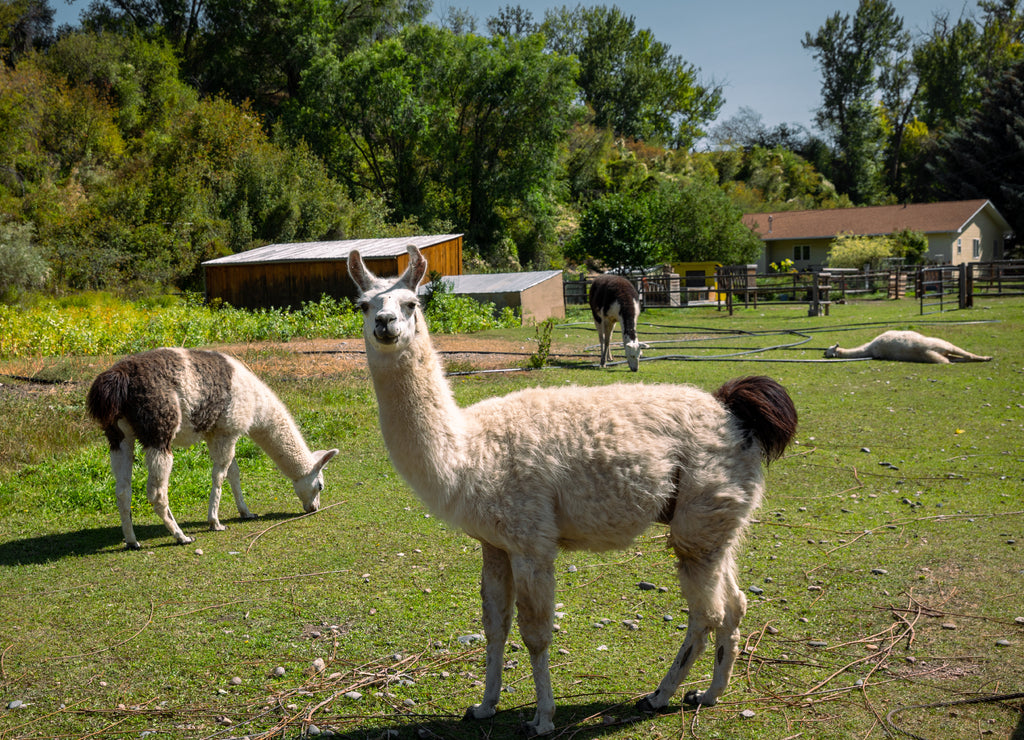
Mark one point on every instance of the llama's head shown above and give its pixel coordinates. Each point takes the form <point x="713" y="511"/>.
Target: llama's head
<point x="391" y="311"/>
<point x="831" y="351"/>
<point x="309" y="486"/>
<point x="634" y="348"/>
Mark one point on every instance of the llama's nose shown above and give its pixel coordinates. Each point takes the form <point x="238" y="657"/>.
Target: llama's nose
<point x="384" y="326"/>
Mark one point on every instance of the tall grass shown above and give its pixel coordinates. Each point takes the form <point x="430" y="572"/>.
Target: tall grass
<point x="99" y="324"/>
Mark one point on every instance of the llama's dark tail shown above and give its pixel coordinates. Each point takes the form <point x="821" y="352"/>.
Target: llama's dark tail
<point x="106" y="400"/>
<point x="764" y="409"/>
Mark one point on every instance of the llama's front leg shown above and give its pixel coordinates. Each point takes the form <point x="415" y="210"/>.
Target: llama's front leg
<point x="535" y="602"/>
<point x="159" y="463"/>
<point x="605" y="331"/>
<point x="121" y="461"/>
<point x="496" y="593"/>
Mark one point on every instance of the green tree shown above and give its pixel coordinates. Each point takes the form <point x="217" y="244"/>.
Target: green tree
<point x="617" y="229"/>
<point x="445" y="127"/>
<point x="851" y="53"/>
<point x="631" y="81"/>
<point x="25" y="25"/>
<point x="984" y="157"/>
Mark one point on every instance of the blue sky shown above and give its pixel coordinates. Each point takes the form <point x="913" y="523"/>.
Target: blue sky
<point x="751" y="47"/>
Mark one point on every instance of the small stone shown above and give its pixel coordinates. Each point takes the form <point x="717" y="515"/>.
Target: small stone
<point x="646" y="586"/>
<point x="865" y="449"/>
<point x="318" y="666"/>
<point x="409" y="702"/>
<point x="948" y="626"/>
<point x="470" y="639"/>
<point x="879" y="571"/>
<point x="354" y="695"/>
<point x="563" y="651"/>
<point x="631" y="624"/>
<point x="199" y="551"/>
<point x="602" y="648"/>
<point x="1019" y="620"/>
<point x="571" y="569"/>
<point x="1003" y="643"/>
<point x="748" y="714"/>
<point x="16" y="704"/>
<point x="911" y="659"/>
<point x="771" y="630"/>
<point x="313" y="731"/>
<point x="278" y="672"/>
<point x="817" y="643"/>
<point x="756" y="590"/>
<point x="235" y="681"/>
<point x="667" y="618"/>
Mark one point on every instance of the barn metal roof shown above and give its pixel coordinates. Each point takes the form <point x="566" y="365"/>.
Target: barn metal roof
<point x="504" y="282"/>
<point x="332" y="250"/>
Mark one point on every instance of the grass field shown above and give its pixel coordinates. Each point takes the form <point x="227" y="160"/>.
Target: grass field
<point x="884" y="571"/>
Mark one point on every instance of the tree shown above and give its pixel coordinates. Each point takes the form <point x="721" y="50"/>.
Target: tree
<point x="25" y="25"/>
<point x="984" y="157"/>
<point x="617" y="229"/>
<point x="852" y="53"/>
<point x="631" y="81"/>
<point x="513" y="21"/>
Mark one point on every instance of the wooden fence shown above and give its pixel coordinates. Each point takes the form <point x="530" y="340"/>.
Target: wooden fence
<point x="937" y="288"/>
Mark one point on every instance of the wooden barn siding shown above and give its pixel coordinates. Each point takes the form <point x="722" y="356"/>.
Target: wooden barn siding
<point x="289" y="284"/>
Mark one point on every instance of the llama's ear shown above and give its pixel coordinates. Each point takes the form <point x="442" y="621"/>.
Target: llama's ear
<point x="323" y="457"/>
<point x="417" y="268"/>
<point x="361" y="276"/>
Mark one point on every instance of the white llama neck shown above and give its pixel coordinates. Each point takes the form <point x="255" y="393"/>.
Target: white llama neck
<point x="419" y="419"/>
<point x="277" y="434"/>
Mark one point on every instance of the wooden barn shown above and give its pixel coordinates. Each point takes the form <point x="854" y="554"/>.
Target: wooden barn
<point x="537" y="295"/>
<point x="286" y="275"/>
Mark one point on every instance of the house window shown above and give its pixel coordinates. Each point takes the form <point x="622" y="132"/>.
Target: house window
<point x="976" y="249"/>
<point x="801" y="252"/>
<point x="959" y="246"/>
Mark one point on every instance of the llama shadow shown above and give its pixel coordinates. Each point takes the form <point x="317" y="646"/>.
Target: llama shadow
<point x="582" y="720"/>
<point x="48" y="548"/>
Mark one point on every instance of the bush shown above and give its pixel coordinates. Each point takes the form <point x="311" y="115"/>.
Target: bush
<point x="22" y="267"/>
<point x="848" y="250"/>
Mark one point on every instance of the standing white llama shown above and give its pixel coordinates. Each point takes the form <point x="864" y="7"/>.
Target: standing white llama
<point x="613" y="298"/>
<point x="907" y="346"/>
<point x="172" y="397"/>
<point x="576" y="468"/>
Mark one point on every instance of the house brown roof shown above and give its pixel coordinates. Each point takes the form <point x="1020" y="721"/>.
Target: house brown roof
<point x="929" y="218"/>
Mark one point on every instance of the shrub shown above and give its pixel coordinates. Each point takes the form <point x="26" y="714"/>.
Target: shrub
<point x="22" y="267"/>
<point x="848" y="250"/>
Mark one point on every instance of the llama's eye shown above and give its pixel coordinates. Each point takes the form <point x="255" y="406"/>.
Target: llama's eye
<point x="410" y="306"/>
<point x="364" y="306"/>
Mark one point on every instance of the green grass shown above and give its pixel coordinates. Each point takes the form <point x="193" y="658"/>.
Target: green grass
<point x="100" y="642"/>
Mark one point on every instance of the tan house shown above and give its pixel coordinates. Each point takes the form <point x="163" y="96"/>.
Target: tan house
<point x="957" y="231"/>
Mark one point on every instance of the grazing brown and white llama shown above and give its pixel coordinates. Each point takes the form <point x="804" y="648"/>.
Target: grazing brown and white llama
<point x="613" y="298"/>
<point x="173" y="397"/>
<point x="907" y="346"/>
<point x="575" y="468"/>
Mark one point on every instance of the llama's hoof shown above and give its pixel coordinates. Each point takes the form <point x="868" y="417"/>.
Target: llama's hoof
<point x="699" y="699"/>
<point x="132" y="546"/>
<point x="645" y="706"/>
<point x="476" y="712"/>
<point x="185" y="541"/>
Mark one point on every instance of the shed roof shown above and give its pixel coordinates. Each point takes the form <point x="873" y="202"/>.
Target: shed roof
<point x="331" y="250"/>
<point x="928" y="218"/>
<point x="504" y="282"/>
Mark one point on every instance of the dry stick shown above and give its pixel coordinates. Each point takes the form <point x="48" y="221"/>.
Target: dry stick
<point x="149" y="621"/>
<point x="289" y="521"/>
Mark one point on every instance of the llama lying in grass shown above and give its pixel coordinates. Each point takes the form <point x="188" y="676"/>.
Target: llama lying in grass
<point x="175" y="397"/>
<point x="613" y="298"/>
<point x="907" y="346"/>
<point x="576" y="468"/>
